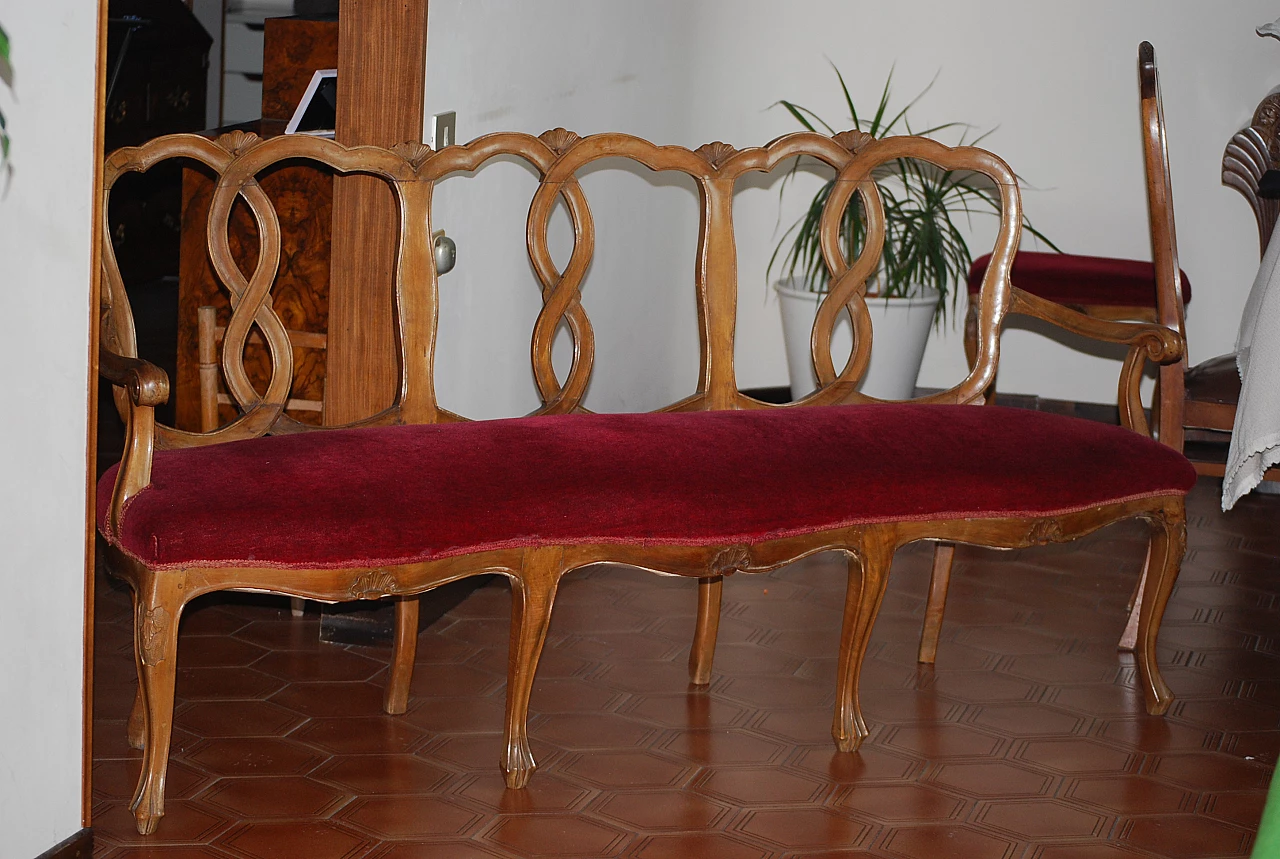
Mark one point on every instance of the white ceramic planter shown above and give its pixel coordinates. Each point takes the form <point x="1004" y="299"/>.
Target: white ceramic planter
<point x="900" y="330"/>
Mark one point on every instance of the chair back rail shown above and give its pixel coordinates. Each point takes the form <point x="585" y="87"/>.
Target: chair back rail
<point x="412" y="169"/>
<point x="1164" y="254"/>
<point x="1250" y="153"/>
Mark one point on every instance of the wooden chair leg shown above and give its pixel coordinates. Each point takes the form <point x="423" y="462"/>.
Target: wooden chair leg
<point x="701" y="655"/>
<point x="297" y="606"/>
<point x="137" y="730"/>
<point x="156" y="645"/>
<point x="403" y="652"/>
<point x="533" y="593"/>
<point x="1129" y="638"/>
<point x="868" y="576"/>
<point x="943" y="556"/>
<point x="1168" y="546"/>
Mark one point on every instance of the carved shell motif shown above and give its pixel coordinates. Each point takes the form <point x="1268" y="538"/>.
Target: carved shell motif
<point x="729" y="560"/>
<point x="238" y="142"/>
<point x="716" y="154"/>
<point x="853" y="140"/>
<point x="413" y="151"/>
<point x="1045" y="531"/>
<point x="559" y="140"/>
<point x="373" y="585"/>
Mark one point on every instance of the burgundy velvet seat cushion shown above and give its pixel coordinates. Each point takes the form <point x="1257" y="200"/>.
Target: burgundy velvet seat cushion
<point x="1072" y="279"/>
<point x="399" y="494"/>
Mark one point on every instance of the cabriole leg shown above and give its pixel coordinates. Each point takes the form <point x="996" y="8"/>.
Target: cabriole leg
<point x="1168" y="546"/>
<point x="137" y="730"/>
<point x="159" y="606"/>
<point x="868" y="576"/>
<point x="943" y="556"/>
<point x="533" y="594"/>
<point x="1129" y="638"/>
<point x="403" y="652"/>
<point x="701" y="655"/>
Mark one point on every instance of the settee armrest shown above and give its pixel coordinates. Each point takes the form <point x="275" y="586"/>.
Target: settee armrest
<point x="1147" y="341"/>
<point x="147" y="387"/>
<point x="146" y="384"/>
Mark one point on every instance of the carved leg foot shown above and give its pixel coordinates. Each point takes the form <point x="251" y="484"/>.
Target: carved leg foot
<point x="533" y="594"/>
<point x="703" y="651"/>
<point x="402" y="655"/>
<point x="868" y="575"/>
<point x="1168" y="546"/>
<point x="156" y="645"/>
<point x="943" y="556"/>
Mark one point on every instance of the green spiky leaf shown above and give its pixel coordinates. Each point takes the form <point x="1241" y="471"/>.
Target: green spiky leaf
<point x="923" y="245"/>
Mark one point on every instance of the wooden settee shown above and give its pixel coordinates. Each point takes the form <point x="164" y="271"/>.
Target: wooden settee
<point x="715" y="483"/>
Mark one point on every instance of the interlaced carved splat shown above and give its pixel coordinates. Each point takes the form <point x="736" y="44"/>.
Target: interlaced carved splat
<point x="717" y="153"/>
<point x="559" y="140"/>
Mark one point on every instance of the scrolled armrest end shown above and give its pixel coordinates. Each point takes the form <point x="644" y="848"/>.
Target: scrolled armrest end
<point x="146" y="383"/>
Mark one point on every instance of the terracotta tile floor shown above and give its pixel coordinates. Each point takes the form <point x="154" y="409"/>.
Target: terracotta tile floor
<point x="1027" y="740"/>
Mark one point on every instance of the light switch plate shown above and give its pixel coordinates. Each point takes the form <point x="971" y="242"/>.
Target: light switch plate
<point x="444" y="128"/>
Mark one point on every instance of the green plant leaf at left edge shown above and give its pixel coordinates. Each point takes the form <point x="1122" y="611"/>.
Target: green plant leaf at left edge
<point x="4" y="45"/>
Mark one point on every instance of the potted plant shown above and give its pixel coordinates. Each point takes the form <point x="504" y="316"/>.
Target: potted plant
<point x="924" y="263"/>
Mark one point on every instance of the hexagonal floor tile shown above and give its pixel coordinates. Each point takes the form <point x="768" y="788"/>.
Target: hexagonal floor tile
<point x="405" y="817"/>
<point x="627" y="769"/>
<point x="760" y="786"/>
<point x="1075" y="755"/>
<point x="902" y="802"/>
<point x="992" y="779"/>
<point x="805" y="828"/>
<point x="273" y="797"/>
<point x="1042" y="819"/>
<point x="1132" y="795"/>
<point x="315" y="840"/>
<point x="932" y="842"/>
<point x="555" y="835"/>
<point x="664" y="810"/>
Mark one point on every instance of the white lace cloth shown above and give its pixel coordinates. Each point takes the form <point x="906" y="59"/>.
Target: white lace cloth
<point x="1255" y="439"/>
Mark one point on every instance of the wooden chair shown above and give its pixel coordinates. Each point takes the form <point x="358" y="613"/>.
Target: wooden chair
<point x="1204" y="397"/>
<point x="1103" y="287"/>
<point x="1161" y="280"/>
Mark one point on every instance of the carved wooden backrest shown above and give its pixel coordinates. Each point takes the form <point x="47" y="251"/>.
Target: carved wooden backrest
<point x="1164" y="241"/>
<point x="1251" y="152"/>
<point x="412" y="169"/>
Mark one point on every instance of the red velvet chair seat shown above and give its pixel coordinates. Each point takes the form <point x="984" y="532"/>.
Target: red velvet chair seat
<point x="398" y="494"/>
<point x="1081" y="280"/>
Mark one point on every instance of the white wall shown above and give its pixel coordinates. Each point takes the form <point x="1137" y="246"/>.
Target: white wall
<point x="45" y="229"/>
<point x="1058" y="81"/>
<point x="588" y="67"/>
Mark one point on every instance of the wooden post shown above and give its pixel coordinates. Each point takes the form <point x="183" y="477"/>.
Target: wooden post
<point x="382" y="52"/>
